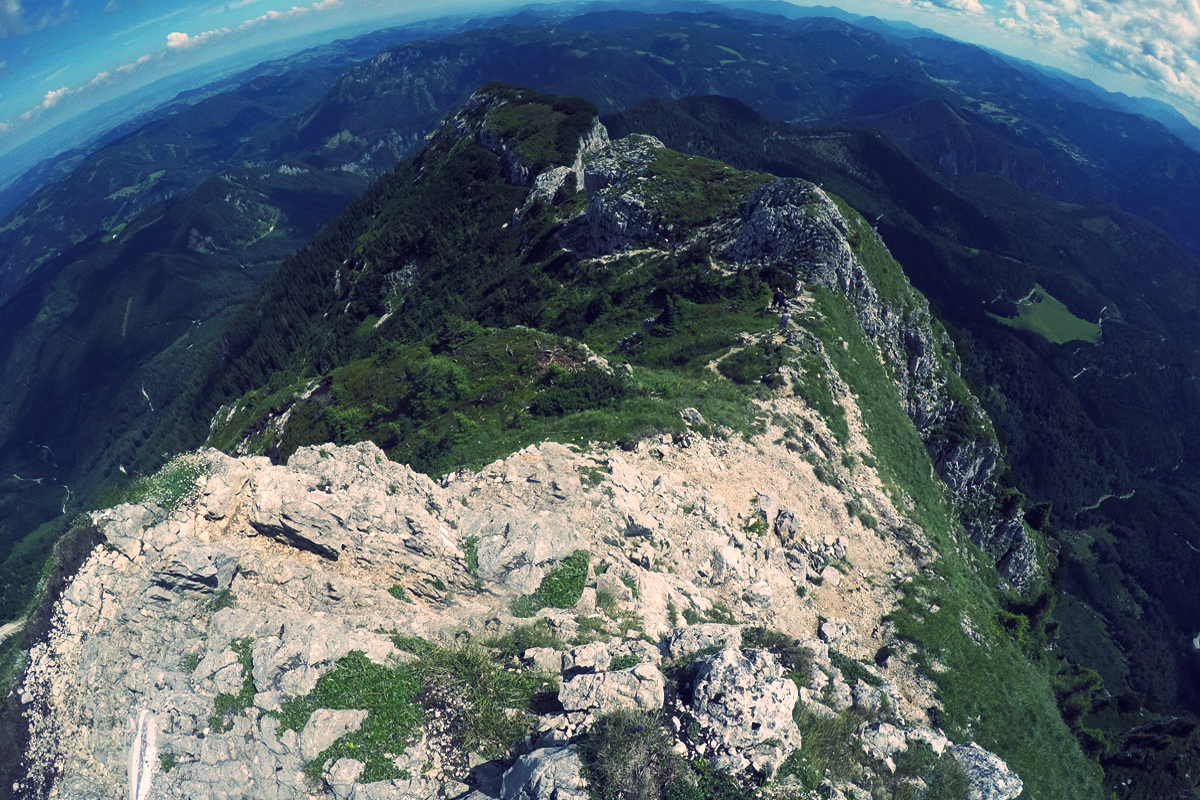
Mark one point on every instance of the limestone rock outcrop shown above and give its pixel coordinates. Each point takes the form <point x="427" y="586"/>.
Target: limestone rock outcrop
<point x="548" y="774"/>
<point x="746" y="701"/>
<point x="988" y="775"/>
<point x="793" y="224"/>
<point x="191" y="633"/>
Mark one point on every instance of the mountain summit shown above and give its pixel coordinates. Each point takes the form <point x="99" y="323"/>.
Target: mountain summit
<point x="708" y="512"/>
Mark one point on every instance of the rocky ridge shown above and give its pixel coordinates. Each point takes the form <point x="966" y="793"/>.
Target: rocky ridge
<point x="267" y="577"/>
<point x="793" y="224"/>
<point x="739" y="589"/>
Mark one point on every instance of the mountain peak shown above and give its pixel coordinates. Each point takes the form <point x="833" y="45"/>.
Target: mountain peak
<point x="807" y="461"/>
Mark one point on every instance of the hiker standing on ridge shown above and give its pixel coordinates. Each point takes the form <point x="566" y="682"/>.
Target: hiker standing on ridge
<point x="779" y="299"/>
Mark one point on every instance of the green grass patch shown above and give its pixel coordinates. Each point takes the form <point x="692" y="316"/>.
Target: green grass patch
<point x="227" y="705"/>
<point x="828" y="747"/>
<point x="171" y="486"/>
<point x="691" y="190"/>
<point x="754" y="364"/>
<point x="814" y="386"/>
<point x="991" y="693"/>
<point x="523" y="387"/>
<point x="487" y="702"/>
<point x="591" y="629"/>
<point x="492" y="701"/>
<point x="886" y="275"/>
<point x="1049" y="318"/>
<point x="543" y="129"/>
<point x="524" y="637"/>
<point x="471" y="556"/>
<point x="721" y="613"/>
<point x="624" y="662"/>
<point x="627" y="754"/>
<point x="221" y="600"/>
<point x="244" y="418"/>
<point x="852" y="671"/>
<point x="795" y="659"/>
<point x="138" y="188"/>
<point x="393" y="718"/>
<point x="593" y="476"/>
<point x="561" y="588"/>
<point x="904" y="464"/>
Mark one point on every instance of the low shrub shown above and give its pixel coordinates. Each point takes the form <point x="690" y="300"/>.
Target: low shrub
<point x="628" y="755"/>
<point x="787" y="649"/>
<point x="624" y="662"/>
<point x="524" y="637"/>
<point x="852" y="671"/>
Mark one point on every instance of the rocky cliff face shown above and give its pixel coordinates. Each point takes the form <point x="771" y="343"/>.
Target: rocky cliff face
<point x="792" y="224"/>
<point x="634" y="196"/>
<point x="185" y="641"/>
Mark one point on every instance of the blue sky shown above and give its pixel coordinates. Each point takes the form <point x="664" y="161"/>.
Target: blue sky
<point x="59" y="57"/>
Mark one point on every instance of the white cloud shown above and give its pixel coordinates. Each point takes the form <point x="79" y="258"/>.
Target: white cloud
<point x="53" y="17"/>
<point x="965" y="6"/>
<point x="53" y="97"/>
<point x="179" y="41"/>
<point x="100" y="79"/>
<point x="294" y="11"/>
<point x="12" y="17"/>
<point x="1037" y="24"/>
<point x="1154" y="40"/>
<point x="132" y="65"/>
<point x="971" y="6"/>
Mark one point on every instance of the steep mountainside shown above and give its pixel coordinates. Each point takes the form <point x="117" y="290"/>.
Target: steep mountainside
<point x="445" y="315"/>
<point x="385" y="105"/>
<point x="346" y="626"/>
<point x="1087" y="411"/>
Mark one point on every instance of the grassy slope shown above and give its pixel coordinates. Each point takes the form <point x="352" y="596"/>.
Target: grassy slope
<point x="991" y="692"/>
<point x="1050" y="318"/>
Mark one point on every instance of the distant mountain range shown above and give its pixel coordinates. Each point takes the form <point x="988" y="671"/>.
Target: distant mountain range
<point x="1052" y="229"/>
